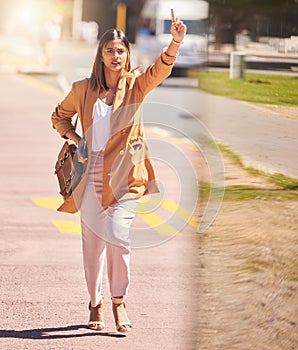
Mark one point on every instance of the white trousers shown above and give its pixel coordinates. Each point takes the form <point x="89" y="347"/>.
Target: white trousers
<point x="105" y="237"/>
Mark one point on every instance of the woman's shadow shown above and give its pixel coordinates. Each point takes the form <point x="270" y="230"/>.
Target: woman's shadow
<point x="53" y="333"/>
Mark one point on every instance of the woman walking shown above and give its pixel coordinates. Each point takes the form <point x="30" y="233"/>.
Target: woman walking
<point x="119" y="169"/>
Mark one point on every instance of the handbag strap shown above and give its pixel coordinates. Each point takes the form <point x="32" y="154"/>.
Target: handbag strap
<point x="76" y="123"/>
<point x="77" y="118"/>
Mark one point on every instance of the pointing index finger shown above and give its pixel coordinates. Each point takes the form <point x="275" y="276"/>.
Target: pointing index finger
<point x="173" y="15"/>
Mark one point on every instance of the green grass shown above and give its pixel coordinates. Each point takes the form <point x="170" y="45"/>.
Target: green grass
<point x="256" y="88"/>
<point x="241" y="192"/>
<point x="282" y="181"/>
<point x="286" y="187"/>
<point x="248" y="192"/>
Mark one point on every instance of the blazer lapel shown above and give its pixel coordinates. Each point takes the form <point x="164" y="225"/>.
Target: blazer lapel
<point x="120" y="94"/>
<point x="91" y="98"/>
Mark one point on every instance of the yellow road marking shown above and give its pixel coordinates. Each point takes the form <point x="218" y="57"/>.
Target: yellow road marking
<point x="144" y="212"/>
<point x="158" y="224"/>
<point x="54" y="91"/>
<point x="171" y="206"/>
<point x="174" y="140"/>
<point x="49" y="203"/>
<point x="67" y="226"/>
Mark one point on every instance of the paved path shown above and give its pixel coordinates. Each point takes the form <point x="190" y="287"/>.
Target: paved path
<point x="43" y="294"/>
<point x="262" y="138"/>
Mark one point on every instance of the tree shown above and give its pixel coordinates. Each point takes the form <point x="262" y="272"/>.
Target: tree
<point x="229" y="17"/>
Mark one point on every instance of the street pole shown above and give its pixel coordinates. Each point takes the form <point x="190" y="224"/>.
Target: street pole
<point x="121" y="17"/>
<point x="77" y="17"/>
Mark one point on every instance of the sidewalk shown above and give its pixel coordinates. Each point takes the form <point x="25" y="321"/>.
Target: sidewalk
<point x="262" y="138"/>
<point x="43" y="294"/>
<point x="44" y="299"/>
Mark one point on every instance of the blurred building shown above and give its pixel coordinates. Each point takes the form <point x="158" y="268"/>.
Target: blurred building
<point x="22" y="15"/>
<point x="104" y="13"/>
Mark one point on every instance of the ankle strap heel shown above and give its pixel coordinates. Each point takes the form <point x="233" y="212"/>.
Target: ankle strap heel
<point x="122" y="322"/>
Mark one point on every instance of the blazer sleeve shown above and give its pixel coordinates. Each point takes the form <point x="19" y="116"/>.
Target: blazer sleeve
<point x="156" y="73"/>
<point x="63" y="114"/>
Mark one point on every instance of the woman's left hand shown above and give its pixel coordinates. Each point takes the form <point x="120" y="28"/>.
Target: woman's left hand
<point x="82" y="150"/>
<point x="178" y="28"/>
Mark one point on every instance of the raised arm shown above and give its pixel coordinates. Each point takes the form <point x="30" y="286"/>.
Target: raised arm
<point x="162" y="68"/>
<point x="178" y="31"/>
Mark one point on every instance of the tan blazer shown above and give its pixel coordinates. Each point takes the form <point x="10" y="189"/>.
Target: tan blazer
<point x="128" y="172"/>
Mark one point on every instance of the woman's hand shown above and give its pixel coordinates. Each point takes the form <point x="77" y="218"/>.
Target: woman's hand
<point x="82" y="150"/>
<point x="178" y="31"/>
<point x="178" y="28"/>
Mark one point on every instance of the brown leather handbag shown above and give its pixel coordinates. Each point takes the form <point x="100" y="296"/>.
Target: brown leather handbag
<point x="68" y="169"/>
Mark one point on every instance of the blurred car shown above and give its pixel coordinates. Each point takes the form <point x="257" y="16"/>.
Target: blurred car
<point x="153" y="33"/>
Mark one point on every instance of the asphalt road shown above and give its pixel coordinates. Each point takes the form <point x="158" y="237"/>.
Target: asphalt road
<point x="43" y="295"/>
<point x="260" y="137"/>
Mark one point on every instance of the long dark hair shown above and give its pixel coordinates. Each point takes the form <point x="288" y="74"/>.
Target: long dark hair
<point x="97" y="78"/>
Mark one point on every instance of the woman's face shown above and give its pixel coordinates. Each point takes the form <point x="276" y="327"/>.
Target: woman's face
<point x="114" y="55"/>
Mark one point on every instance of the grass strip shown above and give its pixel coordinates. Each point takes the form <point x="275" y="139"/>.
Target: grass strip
<point x="256" y="88"/>
<point x="244" y="192"/>
<point x="286" y="187"/>
<point x="280" y="180"/>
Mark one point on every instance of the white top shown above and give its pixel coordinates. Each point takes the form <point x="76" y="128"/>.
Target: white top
<point x="101" y="126"/>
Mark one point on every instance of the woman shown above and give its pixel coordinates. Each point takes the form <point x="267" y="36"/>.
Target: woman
<point x="119" y="169"/>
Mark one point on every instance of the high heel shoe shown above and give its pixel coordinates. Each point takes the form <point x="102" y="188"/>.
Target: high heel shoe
<point x="123" y="324"/>
<point x="96" y="320"/>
